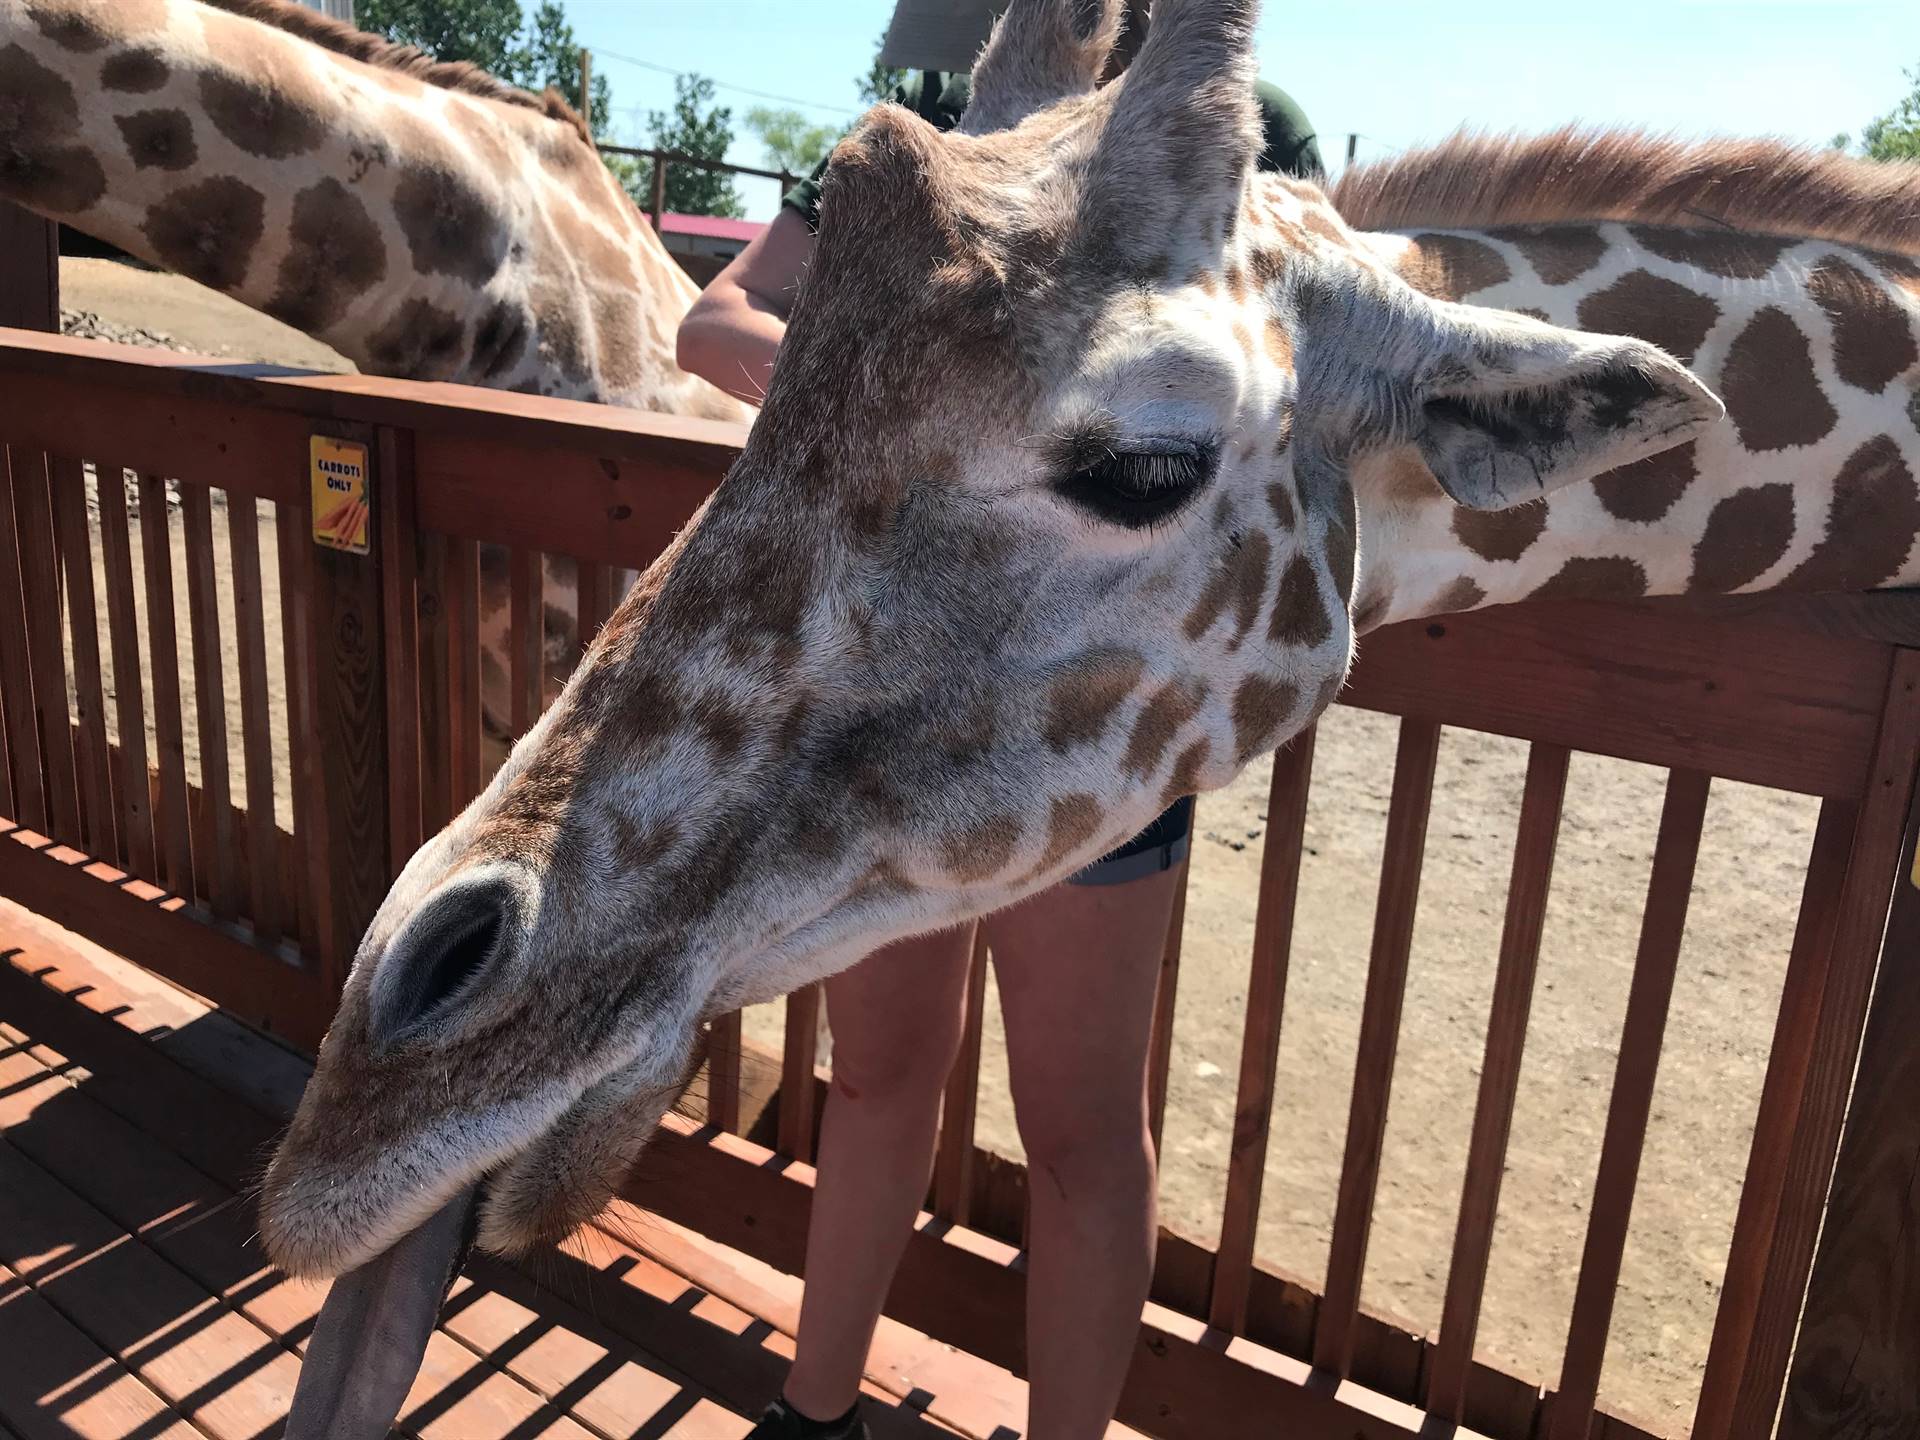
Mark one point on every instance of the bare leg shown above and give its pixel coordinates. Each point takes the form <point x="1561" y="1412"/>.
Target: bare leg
<point x="897" y="1018"/>
<point x="1077" y="968"/>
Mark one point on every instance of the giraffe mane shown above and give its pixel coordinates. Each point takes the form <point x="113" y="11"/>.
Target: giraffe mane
<point x="343" y="39"/>
<point x="1775" y="187"/>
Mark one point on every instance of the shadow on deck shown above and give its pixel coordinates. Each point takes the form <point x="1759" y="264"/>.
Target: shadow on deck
<point x="136" y="1304"/>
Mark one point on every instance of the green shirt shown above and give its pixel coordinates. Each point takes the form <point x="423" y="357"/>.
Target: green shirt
<point x="940" y="98"/>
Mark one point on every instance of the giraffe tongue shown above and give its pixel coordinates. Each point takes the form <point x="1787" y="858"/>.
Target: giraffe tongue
<point x="372" y="1331"/>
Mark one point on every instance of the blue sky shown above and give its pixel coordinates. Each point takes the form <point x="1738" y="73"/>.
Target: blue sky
<point x="1398" y="73"/>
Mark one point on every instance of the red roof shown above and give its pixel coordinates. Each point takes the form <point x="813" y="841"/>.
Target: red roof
<point x="711" y="227"/>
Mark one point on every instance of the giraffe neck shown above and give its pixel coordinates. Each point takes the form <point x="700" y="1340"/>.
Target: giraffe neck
<point x="422" y="231"/>
<point x="1812" y="482"/>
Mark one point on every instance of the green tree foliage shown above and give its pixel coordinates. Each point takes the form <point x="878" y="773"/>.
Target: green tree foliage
<point x="794" y="143"/>
<point x="694" y="126"/>
<point x="550" y="57"/>
<point x="483" y="32"/>
<point x="879" y="81"/>
<point x="1896" y="134"/>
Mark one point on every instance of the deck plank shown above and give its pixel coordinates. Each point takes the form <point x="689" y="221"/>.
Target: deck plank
<point x="230" y="1379"/>
<point x="58" y="1385"/>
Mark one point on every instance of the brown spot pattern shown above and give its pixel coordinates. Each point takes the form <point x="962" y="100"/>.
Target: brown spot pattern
<point x="1463" y="593"/>
<point x="636" y="849"/>
<point x="1499" y="534"/>
<point x="451" y="229"/>
<point x="1557" y="253"/>
<point x="158" y="139"/>
<point x="38" y="114"/>
<point x="1242" y="580"/>
<point x="334" y="256"/>
<point x="1747" y="533"/>
<point x="1185" y="779"/>
<point x="1280" y="498"/>
<point x="1260" y="708"/>
<point x="1720" y="252"/>
<point x="1071" y="821"/>
<point x="421" y="342"/>
<point x="1871" y="523"/>
<point x="134" y="72"/>
<point x="1081" y="701"/>
<point x="1166" y="710"/>
<point x="208" y="231"/>
<point x="1451" y="267"/>
<point x="259" y="116"/>
<point x="70" y="29"/>
<point x="1649" y="487"/>
<point x="1872" y="339"/>
<point x="1594" y="577"/>
<point x="1772" y="395"/>
<point x="499" y="340"/>
<point x="1656" y="309"/>
<point x="981" y="850"/>
<point x="1299" y="614"/>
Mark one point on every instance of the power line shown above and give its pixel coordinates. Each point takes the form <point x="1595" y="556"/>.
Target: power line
<point x="725" y="85"/>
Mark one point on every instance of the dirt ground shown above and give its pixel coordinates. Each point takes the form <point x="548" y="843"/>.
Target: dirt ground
<point x="1744" y="900"/>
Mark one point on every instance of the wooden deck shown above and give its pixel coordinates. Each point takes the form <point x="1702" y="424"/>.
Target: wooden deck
<point x="134" y="1303"/>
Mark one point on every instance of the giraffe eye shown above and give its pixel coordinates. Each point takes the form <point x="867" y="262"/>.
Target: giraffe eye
<point x="1137" y="488"/>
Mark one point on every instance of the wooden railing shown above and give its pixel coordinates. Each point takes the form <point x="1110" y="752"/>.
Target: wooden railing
<point x="347" y="690"/>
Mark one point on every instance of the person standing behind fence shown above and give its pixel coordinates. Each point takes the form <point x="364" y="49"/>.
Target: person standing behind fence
<point x="1077" y="965"/>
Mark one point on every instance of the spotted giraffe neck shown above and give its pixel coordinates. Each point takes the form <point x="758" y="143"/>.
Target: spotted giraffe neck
<point x="424" y="229"/>
<point x="1809" y="483"/>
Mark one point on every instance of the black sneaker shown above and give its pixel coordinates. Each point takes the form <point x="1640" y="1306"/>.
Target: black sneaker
<point x="783" y="1422"/>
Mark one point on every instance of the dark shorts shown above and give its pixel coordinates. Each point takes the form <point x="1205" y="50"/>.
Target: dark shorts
<point x="1161" y="846"/>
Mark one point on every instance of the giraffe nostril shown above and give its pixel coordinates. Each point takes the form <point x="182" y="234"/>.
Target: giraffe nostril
<point x="436" y="958"/>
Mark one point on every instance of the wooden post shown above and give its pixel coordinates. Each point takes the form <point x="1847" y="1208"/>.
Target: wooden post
<point x="1353" y="144"/>
<point x="586" y="88"/>
<point x="658" y="202"/>
<point x="29" y="270"/>
<point x="346" y="657"/>
<point x="1856" y="1370"/>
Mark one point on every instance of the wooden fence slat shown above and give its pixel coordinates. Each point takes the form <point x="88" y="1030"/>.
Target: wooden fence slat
<point x="347" y="673"/>
<point x="75" y="544"/>
<point x="1450" y="1371"/>
<point x="249" y="618"/>
<point x="123" y="634"/>
<point x="217" y="873"/>
<point x="1787" y="1062"/>
<point x="463" y="668"/>
<point x="723" y="1073"/>
<point x="1260" y="1039"/>
<point x="171" y="820"/>
<point x="46" y="653"/>
<point x="436" y="717"/>
<point x="1334" y="1331"/>
<point x="314" y="917"/>
<point x="1166" y="994"/>
<point x="528" y="638"/>
<point x="596" y="599"/>
<point x="1814" y="1133"/>
<point x="1668" y="890"/>
<point x="796" y="1128"/>
<point x="1853" y="1361"/>
<point x="394" y="515"/>
<point x="953" y="1160"/>
<point x="16" y="670"/>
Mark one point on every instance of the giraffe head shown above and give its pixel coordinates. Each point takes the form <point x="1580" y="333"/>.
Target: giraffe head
<point x="1045" y="523"/>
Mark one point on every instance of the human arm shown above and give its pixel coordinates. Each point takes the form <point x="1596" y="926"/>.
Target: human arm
<point x="732" y="332"/>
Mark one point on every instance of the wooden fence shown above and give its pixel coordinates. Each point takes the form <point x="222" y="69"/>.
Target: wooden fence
<point x="156" y="528"/>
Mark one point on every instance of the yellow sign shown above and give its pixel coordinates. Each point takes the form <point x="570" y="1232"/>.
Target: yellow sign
<point x="341" y="508"/>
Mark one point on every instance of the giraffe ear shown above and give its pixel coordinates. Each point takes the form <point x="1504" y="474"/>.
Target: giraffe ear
<point x="1507" y="409"/>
